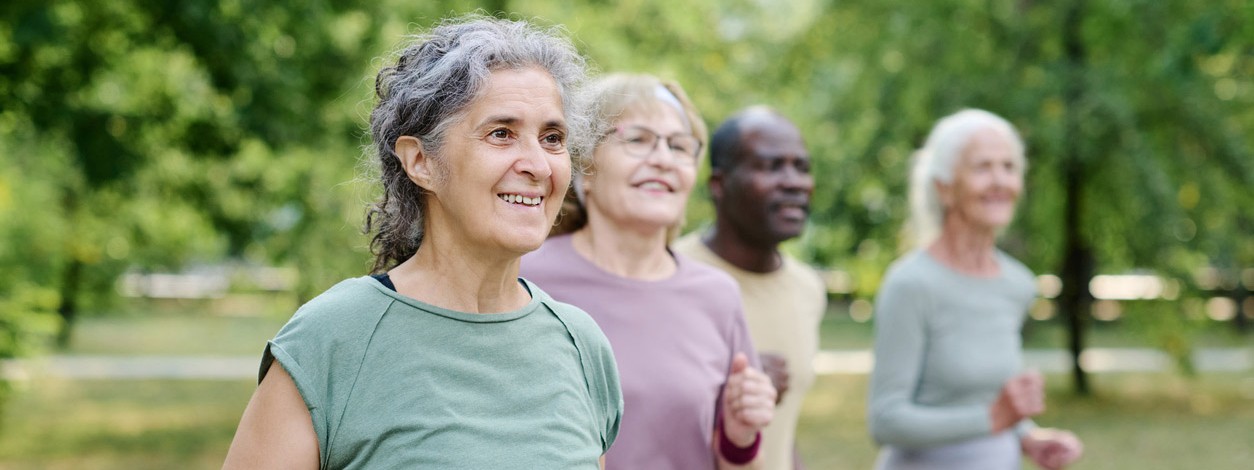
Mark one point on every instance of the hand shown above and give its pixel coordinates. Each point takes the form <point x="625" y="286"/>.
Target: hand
<point x="748" y="402"/>
<point x="1051" y="449"/>
<point x="776" y="367"/>
<point x="1021" y="397"/>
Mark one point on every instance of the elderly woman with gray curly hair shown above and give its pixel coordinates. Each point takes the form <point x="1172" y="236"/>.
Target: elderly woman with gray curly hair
<point x="445" y="358"/>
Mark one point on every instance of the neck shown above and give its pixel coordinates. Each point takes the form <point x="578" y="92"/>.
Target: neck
<point x="447" y="275"/>
<point x="634" y="253"/>
<point x="742" y="253"/>
<point x="966" y="248"/>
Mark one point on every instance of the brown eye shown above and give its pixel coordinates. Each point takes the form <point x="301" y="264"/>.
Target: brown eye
<point x="499" y="136"/>
<point x="553" y="142"/>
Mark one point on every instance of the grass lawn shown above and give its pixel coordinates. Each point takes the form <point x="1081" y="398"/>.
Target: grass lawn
<point x="1136" y="421"/>
<point x="56" y="424"/>
<point x="240" y="324"/>
<point x="235" y="325"/>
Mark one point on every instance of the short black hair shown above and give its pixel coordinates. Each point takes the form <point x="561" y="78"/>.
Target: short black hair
<point x="725" y="143"/>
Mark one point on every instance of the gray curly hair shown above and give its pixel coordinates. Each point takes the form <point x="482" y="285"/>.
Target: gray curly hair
<point x="429" y="88"/>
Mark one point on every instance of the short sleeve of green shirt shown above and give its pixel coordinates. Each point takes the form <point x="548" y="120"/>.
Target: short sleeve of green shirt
<point x="392" y="382"/>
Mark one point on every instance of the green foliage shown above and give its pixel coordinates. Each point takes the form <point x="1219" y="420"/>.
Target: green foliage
<point x="27" y="315"/>
<point x="151" y="135"/>
<point x="1171" y="326"/>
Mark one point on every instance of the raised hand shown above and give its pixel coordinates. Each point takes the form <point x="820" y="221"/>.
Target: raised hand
<point x="748" y="402"/>
<point x="1051" y="449"/>
<point x="1022" y="396"/>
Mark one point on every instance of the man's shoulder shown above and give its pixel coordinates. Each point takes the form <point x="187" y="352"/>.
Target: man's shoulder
<point x="801" y="272"/>
<point x="692" y="246"/>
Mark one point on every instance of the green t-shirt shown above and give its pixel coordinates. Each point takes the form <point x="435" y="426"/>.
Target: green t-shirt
<point x="392" y="382"/>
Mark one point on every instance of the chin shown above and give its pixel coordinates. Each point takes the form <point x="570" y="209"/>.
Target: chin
<point x="525" y="242"/>
<point x="1002" y="221"/>
<point x="659" y="218"/>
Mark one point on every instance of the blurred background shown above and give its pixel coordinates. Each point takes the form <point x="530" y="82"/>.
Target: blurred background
<point x="176" y="177"/>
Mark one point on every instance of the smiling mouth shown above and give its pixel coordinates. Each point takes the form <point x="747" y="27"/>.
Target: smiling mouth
<point x="520" y="199"/>
<point x="789" y="206"/>
<point x="655" y="186"/>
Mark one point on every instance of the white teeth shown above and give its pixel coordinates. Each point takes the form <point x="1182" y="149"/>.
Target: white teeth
<point x="653" y="185"/>
<point x="518" y="199"/>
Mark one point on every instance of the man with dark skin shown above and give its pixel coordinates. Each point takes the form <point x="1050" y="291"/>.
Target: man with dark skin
<point x="760" y="183"/>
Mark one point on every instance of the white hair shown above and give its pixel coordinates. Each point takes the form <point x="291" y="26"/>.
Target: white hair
<point x="936" y="162"/>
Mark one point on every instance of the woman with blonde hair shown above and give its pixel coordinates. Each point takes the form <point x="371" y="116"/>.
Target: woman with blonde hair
<point x="948" y="391"/>
<point x="694" y="396"/>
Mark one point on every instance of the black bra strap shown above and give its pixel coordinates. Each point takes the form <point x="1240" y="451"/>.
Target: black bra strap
<point x="385" y="280"/>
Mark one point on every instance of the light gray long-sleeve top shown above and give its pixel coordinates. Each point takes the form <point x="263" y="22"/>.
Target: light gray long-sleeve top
<point x="945" y="342"/>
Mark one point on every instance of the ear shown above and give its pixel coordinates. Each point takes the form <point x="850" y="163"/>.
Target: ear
<point x="944" y="194"/>
<point x="415" y="162"/>
<point x="716" y="185"/>
<point x="585" y="182"/>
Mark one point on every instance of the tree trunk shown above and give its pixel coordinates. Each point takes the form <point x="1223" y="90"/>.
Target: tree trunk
<point x="1077" y="267"/>
<point x="71" y="275"/>
<point x="71" y="279"/>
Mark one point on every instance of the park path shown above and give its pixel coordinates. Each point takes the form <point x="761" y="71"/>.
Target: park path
<point x="1097" y="360"/>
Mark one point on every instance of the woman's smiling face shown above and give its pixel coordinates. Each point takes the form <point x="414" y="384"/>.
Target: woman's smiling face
<point x="504" y="165"/>
<point x="988" y="179"/>
<point x="647" y="191"/>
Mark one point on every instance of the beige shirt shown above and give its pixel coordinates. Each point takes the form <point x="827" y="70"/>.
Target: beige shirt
<point x="783" y="309"/>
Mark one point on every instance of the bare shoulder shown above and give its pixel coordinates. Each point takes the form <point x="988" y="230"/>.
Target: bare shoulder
<point x="276" y="430"/>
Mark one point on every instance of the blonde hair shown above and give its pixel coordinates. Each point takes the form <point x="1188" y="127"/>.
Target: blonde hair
<point x="936" y="162"/>
<point x="613" y="96"/>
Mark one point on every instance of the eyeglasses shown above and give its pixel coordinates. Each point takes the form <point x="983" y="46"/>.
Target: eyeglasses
<point x="641" y="141"/>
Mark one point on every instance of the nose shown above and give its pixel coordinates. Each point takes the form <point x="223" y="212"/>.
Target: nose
<point x="662" y="155"/>
<point x="793" y="178"/>
<point x="533" y="162"/>
<point x="1007" y="177"/>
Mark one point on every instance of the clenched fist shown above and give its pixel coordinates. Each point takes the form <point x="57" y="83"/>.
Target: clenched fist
<point x="1023" y="396"/>
<point x="748" y="402"/>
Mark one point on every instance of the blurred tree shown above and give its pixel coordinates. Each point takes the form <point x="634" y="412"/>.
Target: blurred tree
<point x="1136" y="114"/>
<point x="147" y="134"/>
<point x="176" y="119"/>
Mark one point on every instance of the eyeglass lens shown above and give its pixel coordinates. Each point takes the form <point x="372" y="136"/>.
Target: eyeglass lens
<point x="641" y="141"/>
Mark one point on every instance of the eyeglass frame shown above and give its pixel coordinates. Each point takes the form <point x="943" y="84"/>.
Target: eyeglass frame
<point x="691" y="159"/>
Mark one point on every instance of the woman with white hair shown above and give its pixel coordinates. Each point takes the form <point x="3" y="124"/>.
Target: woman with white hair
<point x="948" y="391"/>
<point x="445" y="358"/>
